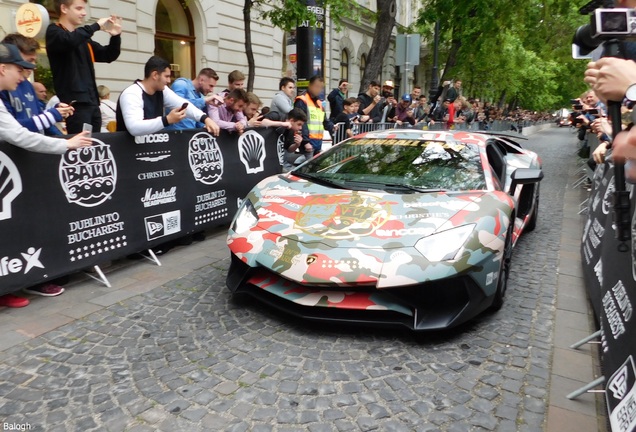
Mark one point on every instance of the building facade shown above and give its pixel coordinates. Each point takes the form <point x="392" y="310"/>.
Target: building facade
<point x="193" y="34"/>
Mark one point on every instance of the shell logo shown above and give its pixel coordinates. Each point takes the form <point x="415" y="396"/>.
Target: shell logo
<point x="251" y="148"/>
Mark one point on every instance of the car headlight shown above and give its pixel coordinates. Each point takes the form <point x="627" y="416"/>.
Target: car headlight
<point x="445" y="245"/>
<point x="246" y="218"/>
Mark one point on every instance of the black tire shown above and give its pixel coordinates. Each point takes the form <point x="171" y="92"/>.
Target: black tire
<point x="504" y="272"/>
<point x="532" y="222"/>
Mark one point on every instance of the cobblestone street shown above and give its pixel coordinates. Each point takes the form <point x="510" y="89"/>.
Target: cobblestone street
<point x="184" y="356"/>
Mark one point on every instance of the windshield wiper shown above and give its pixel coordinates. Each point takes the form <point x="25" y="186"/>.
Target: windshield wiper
<point x="403" y="186"/>
<point x="319" y="180"/>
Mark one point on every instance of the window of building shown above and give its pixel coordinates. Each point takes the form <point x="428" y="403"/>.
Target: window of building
<point x="363" y="65"/>
<point x="174" y="36"/>
<point x="344" y="65"/>
<point x="48" y="5"/>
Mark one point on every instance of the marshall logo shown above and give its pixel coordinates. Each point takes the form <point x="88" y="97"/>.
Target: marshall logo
<point x="311" y="259"/>
<point x="10" y="185"/>
<point x="163" y="225"/>
<point x="88" y="175"/>
<point x="152" y="139"/>
<point x="251" y="147"/>
<point x="158" y="197"/>
<point x="29" y="260"/>
<point x="205" y="158"/>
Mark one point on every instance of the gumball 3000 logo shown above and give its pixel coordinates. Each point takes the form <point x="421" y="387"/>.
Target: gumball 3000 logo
<point x="206" y="159"/>
<point x="88" y="175"/>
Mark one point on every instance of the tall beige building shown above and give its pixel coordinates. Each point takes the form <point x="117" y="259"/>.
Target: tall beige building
<point x="194" y="34"/>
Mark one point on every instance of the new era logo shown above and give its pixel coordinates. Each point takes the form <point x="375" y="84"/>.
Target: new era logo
<point x="154" y="228"/>
<point x="163" y="225"/>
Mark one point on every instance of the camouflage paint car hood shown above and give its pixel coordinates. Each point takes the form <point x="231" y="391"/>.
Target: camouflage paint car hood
<point x="360" y="237"/>
<point x="311" y="213"/>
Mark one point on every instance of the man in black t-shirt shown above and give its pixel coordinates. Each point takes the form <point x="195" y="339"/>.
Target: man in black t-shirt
<point x="370" y="109"/>
<point x="295" y="151"/>
<point x="345" y="119"/>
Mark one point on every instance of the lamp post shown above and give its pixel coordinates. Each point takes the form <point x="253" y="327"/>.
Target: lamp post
<point x="434" y="76"/>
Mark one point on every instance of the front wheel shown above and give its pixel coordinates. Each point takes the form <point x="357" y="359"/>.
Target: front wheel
<point x="504" y="272"/>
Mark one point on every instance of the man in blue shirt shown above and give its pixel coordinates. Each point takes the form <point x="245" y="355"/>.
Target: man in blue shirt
<point x="198" y="92"/>
<point x="23" y="103"/>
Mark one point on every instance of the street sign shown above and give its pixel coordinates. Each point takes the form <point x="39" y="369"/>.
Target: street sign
<point x="407" y="50"/>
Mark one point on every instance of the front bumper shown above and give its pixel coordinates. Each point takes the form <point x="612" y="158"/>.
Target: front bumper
<point x="432" y="305"/>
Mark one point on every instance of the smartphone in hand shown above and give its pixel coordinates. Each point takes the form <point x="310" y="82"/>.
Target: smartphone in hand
<point x="183" y="107"/>
<point x="89" y="128"/>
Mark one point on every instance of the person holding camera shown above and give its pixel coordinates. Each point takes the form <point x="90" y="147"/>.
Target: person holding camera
<point x="198" y="92"/>
<point x="336" y="99"/>
<point x="371" y="106"/>
<point x="72" y="53"/>
<point x="614" y="79"/>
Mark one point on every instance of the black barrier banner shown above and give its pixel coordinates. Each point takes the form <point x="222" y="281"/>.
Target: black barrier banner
<point x="610" y="274"/>
<point x="62" y="214"/>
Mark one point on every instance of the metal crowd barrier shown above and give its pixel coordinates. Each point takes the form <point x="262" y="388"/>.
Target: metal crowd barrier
<point x="340" y="134"/>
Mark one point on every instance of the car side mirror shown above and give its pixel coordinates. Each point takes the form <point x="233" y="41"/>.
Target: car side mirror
<point x="524" y="176"/>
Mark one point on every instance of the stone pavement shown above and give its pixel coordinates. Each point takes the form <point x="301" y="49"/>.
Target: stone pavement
<point x="168" y="349"/>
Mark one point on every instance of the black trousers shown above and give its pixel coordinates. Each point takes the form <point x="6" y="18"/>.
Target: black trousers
<point x="84" y="113"/>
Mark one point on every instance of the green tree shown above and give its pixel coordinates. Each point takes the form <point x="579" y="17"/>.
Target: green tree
<point x="507" y="51"/>
<point x="286" y="15"/>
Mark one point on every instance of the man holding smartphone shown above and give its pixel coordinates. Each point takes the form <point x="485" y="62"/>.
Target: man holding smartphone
<point x="72" y="54"/>
<point x="141" y="106"/>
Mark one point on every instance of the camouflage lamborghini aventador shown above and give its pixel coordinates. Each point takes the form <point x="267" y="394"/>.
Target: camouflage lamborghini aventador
<point x="407" y="228"/>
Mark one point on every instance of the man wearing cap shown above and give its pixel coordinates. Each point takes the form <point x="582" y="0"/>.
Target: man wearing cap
<point x="387" y="88"/>
<point x="23" y="103"/>
<point x="11" y="75"/>
<point x="12" y="68"/>
<point x="404" y="112"/>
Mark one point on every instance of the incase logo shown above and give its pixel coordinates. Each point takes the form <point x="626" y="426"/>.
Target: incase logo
<point x="10" y="185"/>
<point x="163" y="224"/>
<point x="29" y="260"/>
<point x="152" y="139"/>
<point x="88" y="175"/>
<point x="205" y="158"/>
<point x="153" y="198"/>
<point x="251" y="147"/>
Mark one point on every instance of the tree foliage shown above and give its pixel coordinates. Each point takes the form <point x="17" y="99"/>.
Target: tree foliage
<point x="287" y="15"/>
<point x="507" y="51"/>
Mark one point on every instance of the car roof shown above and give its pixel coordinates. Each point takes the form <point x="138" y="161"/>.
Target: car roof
<point x="478" y="138"/>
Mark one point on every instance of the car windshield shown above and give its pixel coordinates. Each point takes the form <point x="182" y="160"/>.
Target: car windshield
<point x="409" y="164"/>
